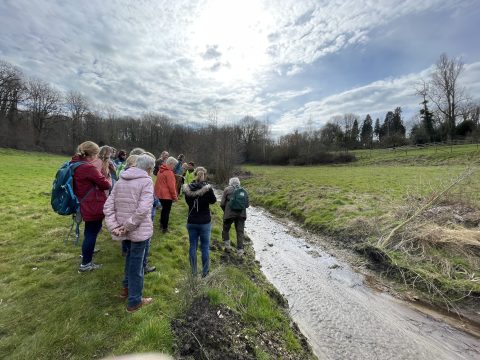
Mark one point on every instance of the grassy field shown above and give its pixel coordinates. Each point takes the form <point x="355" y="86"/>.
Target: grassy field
<point x="358" y="204"/>
<point x="431" y="155"/>
<point x="50" y="311"/>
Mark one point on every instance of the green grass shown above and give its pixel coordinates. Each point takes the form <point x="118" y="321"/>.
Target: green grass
<point x="358" y="203"/>
<point x="50" y="311"/>
<point x="432" y="155"/>
<point x="329" y="198"/>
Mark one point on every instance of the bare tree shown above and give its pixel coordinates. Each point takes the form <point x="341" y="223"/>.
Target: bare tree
<point x="43" y="102"/>
<point x="77" y="107"/>
<point x="446" y="92"/>
<point x="12" y="89"/>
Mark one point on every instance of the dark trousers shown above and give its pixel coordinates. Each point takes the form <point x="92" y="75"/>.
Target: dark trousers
<point x="92" y="228"/>
<point x="239" y="228"/>
<point x="165" y="214"/>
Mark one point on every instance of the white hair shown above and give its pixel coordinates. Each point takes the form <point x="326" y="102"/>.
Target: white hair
<point x="235" y="181"/>
<point x="171" y="161"/>
<point x="137" y="151"/>
<point x="145" y="162"/>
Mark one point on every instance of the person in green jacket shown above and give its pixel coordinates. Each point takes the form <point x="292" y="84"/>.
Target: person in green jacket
<point x="189" y="176"/>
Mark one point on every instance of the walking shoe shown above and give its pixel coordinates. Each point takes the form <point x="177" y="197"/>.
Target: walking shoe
<point x="240" y="252"/>
<point x="124" y="293"/>
<point x="145" y="301"/>
<point x="149" y="269"/>
<point x="164" y="231"/>
<point x="226" y="245"/>
<point x="89" y="267"/>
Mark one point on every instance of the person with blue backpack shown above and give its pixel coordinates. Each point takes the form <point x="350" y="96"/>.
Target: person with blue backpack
<point x="234" y="204"/>
<point x="89" y="186"/>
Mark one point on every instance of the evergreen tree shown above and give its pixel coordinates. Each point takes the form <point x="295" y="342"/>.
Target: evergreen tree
<point x="377" y="130"/>
<point x="427" y="121"/>
<point x="366" y="134"/>
<point x="355" y="132"/>
<point x="397" y="123"/>
<point x="392" y="132"/>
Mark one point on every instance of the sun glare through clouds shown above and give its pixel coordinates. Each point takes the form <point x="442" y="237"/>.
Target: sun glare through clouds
<point x="229" y="38"/>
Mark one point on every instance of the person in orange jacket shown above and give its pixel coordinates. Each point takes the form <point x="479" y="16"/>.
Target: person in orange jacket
<point x="166" y="190"/>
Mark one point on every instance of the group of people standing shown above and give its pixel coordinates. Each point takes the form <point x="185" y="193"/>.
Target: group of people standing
<point x="122" y="192"/>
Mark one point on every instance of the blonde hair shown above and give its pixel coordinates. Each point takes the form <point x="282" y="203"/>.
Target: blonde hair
<point x="131" y="161"/>
<point x="104" y="155"/>
<point x="200" y="173"/>
<point x="87" y="148"/>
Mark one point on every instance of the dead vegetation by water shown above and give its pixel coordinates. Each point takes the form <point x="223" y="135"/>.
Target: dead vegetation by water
<point x="435" y="244"/>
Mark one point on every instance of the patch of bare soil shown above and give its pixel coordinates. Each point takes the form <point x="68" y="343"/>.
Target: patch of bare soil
<point x="216" y="332"/>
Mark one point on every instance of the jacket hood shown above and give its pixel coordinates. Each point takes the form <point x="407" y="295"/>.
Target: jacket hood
<point x="164" y="168"/>
<point x="77" y="158"/>
<point x="134" y="173"/>
<point x="196" y="188"/>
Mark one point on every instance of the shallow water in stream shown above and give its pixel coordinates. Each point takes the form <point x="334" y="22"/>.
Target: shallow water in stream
<point x="342" y="317"/>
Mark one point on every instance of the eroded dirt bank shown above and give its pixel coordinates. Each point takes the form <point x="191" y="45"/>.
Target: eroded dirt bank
<point x="341" y="317"/>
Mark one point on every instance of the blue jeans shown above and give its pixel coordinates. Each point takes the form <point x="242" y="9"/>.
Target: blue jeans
<point x="133" y="279"/>
<point x="202" y="232"/>
<point x="92" y="228"/>
<point x="145" y="256"/>
<point x="156" y="202"/>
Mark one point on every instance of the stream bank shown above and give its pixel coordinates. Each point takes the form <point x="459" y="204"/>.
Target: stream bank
<point x="337" y="312"/>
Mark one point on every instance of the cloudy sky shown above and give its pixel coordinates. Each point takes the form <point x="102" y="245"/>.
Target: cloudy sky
<point x="288" y="61"/>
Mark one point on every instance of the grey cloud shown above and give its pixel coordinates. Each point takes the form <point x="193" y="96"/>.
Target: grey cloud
<point x="212" y="53"/>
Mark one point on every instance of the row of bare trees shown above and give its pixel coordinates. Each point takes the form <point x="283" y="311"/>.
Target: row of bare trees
<point x="36" y="116"/>
<point x="454" y="113"/>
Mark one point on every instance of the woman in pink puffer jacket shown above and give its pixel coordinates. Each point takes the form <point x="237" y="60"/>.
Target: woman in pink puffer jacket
<point x="127" y="215"/>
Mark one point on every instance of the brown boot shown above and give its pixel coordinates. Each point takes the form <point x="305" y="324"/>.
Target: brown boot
<point x="145" y="301"/>
<point x="124" y="293"/>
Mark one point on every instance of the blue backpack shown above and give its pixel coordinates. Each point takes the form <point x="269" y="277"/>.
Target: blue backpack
<point x="63" y="200"/>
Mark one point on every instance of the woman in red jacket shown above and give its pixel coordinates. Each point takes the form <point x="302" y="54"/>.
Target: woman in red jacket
<point x="89" y="185"/>
<point x="166" y="190"/>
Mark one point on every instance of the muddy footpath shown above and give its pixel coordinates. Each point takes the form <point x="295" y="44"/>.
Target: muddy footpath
<point x="341" y="316"/>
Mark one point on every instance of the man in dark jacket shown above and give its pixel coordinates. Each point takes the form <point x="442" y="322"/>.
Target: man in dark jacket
<point x="233" y="216"/>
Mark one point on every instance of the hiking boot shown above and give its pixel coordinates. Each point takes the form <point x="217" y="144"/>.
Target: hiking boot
<point x="124" y="293"/>
<point x="89" y="267"/>
<point x="149" y="269"/>
<point x="145" y="301"/>
<point x="240" y="252"/>
<point x="226" y="245"/>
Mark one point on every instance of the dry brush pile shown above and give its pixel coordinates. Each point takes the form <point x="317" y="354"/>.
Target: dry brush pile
<point x="435" y="245"/>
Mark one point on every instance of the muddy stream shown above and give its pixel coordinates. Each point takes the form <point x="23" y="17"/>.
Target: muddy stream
<point x="341" y="316"/>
